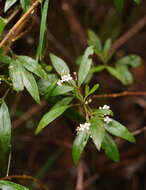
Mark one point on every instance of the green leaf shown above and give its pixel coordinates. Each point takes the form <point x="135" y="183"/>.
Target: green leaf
<point x="79" y="145"/>
<point x="110" y="147"/>
<point x="58" y="109"/>
<point x="119" y="4"/>
<point x="32" y="66"/>
<point x="97" y="69"/>
<point x="5" y="135"/>
<point x="93" y="89"/>
<point x="85" y="65"/>
<point x="59" y="65"/>
<point x="5" y="59"/>
<point x="93" y="40"/>
<point x="125" y="75"/>
<point x="106" y="49"/>
<point x="131" y="60"/>
<point x="102" y="112"/>
<point x="119" y="130"/>
<point x="9" y="4"/>
<point x="114" y="72"/>
<point x="25" y="4"/>
<point x="59" y="90"/>
<point x="15" y="72"/>
<point x="7" y="185"/>
<point x="2" y="24"/>
<point x="97" y="132"/>
<point x="44" y="13"/>
<point x="31" y="85"/>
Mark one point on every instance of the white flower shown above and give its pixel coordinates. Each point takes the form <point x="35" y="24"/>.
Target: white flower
<point x="107" y="119"/>
<point x="88" y="101"/>
<point x="82" y="127"/>
<point x="64" y="78"/>
<point x="105" y="107"/>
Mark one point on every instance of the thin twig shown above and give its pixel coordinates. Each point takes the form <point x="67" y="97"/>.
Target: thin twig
<point x="26" y="177"/>
<point x="120" y="94"/>
<point x="130" y="33"/>
<point x="33" y="110"/>
<point x="80" y="177"/>
<point x="14" y="30"/>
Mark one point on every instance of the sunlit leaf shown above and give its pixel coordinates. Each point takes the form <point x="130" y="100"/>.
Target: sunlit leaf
<point x="59" y="65"/>
<point x="79" y="145"/>
<point x="117" y="129"/>
<point x="8" y="185"/>
<point x="9" y="4"/>
<point x="85" y="65"/>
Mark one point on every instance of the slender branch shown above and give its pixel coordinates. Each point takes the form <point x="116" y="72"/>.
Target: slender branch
<point x="130" y="33"/>
<point x="120" y="94"/>
<point x="14" y="30"/>
<point x="80" y="177"/>
<point x="26" y="177"/>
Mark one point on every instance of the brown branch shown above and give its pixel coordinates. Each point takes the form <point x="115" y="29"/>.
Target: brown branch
<point x="130" y="33"/>
<point x="16" y="28"/>
<point x="33" y="110"/>
<point x="120" y="94"/>
<point x="26" y="177"/>
<point x="80" y="177"/>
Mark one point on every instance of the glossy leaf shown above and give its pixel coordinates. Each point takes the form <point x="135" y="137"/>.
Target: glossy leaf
<point x="15" y="72"/>
<point x="58" y="109"/>
<point x="2" y="24"/>
<point x="8" y="185"/>
<point x="94" y="41"/>
<point x="42" y="30"/>
<point x="119" y="130"/>
<point x="85" y="65"/>
<point x="59" y="65"/>
<point x="32" y="66"/>
<point x="31" y="85"/>
<point x="79" y="145"/>
<point x="9" y="4"/>
<point x="25" y="4"/>
<point x="97" y="132"/>
<point x="131" y="60"/>
<point x="59" y="90"/>
<point x="110" y="147"/>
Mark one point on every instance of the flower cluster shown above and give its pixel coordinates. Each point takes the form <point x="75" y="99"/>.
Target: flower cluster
<point x="84" y="126"/>
<point x="64" y="78"/>
<point x="88" y="101"/>
<point x="106" y="119"/>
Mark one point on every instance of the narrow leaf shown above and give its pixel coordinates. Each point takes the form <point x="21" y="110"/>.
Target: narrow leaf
<point x="31" y="85"/>
<point x="25" y="4"/>
<point x="85" y="65"/>
<point x="8" y="185"/>
<point x="117" y="129"/>
<point x="79" y="145"/>
<point x="59" y="65"/>
<point x="93" y="40"/>
<point x="9" y="4"/>
<point x="42" y="30"/>
<point x="59" y="90"/>
<point x="110" y="147"/>
<point x="97" y="132"/>
<point x="2" y="24"/>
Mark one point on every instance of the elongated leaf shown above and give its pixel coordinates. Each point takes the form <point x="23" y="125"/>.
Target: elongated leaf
<point x="15" y="72"/>
<point x="97" y="132"/>
<point x="50" y="116"/>
<point x="131" y="60"/>
<point x="125" y="75"/>
<point x="119" y="130"/>
<point x="7" y="185"/>
<point x="85" y="65"/>
<point x="59" y="90"/>
<point x="63" y="102"/>
<point x="93" y="89"/>
<point x="79" y="145"/>
<point x="25" y="4"/>
<point x="2" y="24"/>
<point x="110" y="147"/>
<point x="5" y="136"/>
<point x="59" y="65"/>
<point x="102" y="112"/>
<point x="32" y="66"/>
<point x="31" y="85"/>
<point x="94" y="41"/>
<point x="9" y="4"/>
<point x="42" y="30"/>
<point x="97" y="69"/>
